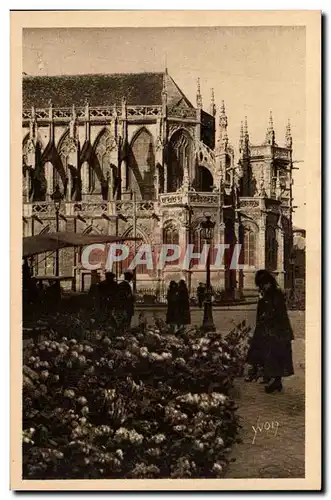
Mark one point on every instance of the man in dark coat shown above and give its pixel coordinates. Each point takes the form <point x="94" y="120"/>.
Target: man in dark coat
<point x="271" y="343"/>
<point x="183" y="309"/>
<point x="107" y="290"/>
<point x="172" y="305"/>
<point x="125" y="302"/>
<point x="201" y="291"/>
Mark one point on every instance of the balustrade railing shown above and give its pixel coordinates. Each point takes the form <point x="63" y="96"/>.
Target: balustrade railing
<point x="192" y="198"/>
<point x="186" y="113"/>
<point x="46" y="209"/>
<point x="95" y="208"/>
<point x="141" y="208"/>
<point x="95" y="113"/>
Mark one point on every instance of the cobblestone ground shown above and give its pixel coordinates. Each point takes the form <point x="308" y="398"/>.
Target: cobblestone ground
<point x="276" y="448"/>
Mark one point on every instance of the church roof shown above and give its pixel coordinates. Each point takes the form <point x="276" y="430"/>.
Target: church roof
<point x="100" y="90"/>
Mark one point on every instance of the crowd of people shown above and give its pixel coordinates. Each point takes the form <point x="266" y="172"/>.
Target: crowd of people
<point x="37" y="293"/>
<point x="178" y="305"/>
<point x="114" y="300"/>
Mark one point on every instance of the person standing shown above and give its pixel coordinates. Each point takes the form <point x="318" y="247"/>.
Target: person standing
<point x="201" y="291"/>
<point x="126" y="299"/>
<point x="183" y="308"/>
<point x="271" y="346"/>
<point x="107" y="291"/>
<point x="172" y="302"/>
<point x="93" y="293"/>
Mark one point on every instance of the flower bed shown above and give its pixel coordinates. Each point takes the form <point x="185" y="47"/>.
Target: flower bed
<point x="145" y="404"/>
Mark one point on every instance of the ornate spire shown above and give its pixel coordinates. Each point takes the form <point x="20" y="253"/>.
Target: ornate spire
<point x="199" y="98"/>
<point x="223" y="120"/>
<point x="288" y="135"/>
<point x="246" y="135"/>
<point x="164" y="87"/>
<point x="164" y="95"/>
<point x="241" y="138"/>
<point x="223" y="128"/>
<point x="270" y="135"/>
<point x="212" y="104"/>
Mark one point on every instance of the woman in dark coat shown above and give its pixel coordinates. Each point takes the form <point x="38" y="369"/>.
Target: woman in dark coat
<point x="183" y="308"/>
<point x="172" y="301"/>
<point x="271" y="347"/>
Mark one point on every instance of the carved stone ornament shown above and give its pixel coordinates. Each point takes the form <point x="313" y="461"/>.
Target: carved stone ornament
<point x="170" y="223"/>
<point x="30" y="155"/>
<point x="182" y="111"/>
<point x="68" y="149"/>
<point x="159" y="144"/>
<point x="249" y="203"/>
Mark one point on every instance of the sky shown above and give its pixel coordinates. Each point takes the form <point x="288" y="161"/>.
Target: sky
<point x="255" y="70"/>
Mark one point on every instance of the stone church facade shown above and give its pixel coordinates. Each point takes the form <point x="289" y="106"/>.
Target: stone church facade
<point x="132" y="156"/>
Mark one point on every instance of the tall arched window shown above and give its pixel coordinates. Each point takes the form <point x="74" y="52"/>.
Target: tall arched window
<point x="133" y="249"/>
<point x="68" y="154"/>
<point x="179" y="158"/>
<point x="196" y="239"/>
<point x="197" y="242"/>
<point x="249" y="246"/>
<point x="271" y="249"/>
<point x="171" y="237"/>
<point x="141" y="165"/>
<point x="97" y="172"/>
<point x="64" y="150"/>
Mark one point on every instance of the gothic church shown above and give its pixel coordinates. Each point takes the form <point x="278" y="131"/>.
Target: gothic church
<point x="133" y="156"/>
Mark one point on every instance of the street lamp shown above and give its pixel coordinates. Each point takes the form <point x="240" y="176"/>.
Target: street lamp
<point x="57" y="197"/>
<point x="207" y="230"/>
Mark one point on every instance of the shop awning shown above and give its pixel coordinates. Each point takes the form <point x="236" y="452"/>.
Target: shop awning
<point x="50" y="242"/>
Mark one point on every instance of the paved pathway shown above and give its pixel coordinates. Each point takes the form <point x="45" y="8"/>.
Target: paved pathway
<point x="275" y="449"/>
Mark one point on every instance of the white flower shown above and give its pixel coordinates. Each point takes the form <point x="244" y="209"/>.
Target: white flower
<point x="219" y="441"/>
<point x="134" y="437"/>
<point x="144" y="352"/>
<point x="217" y="468"/>
<point x="179" y="428"/>
<point x="181" y="361"/>
<point x="120" y="454"/>
<point x="159" y="438"/>
<point x="154" y="357"/>
<point x="121" y="433"/>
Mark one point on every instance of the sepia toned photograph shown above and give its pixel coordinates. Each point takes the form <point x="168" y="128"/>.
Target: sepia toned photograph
<point x="167" y="187"/>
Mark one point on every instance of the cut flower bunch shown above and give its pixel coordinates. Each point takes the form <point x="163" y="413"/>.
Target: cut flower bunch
<point x="137" y="404"/>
